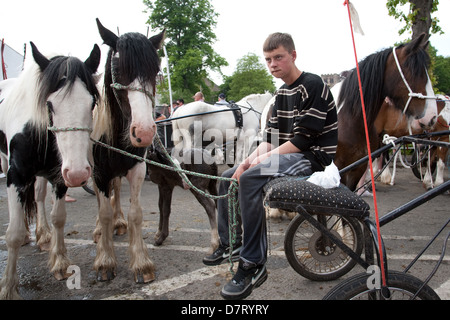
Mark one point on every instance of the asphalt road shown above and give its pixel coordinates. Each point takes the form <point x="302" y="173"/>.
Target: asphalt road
<point x="180" y="273"/>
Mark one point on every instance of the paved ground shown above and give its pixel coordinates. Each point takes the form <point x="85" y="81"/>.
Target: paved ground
<point x="180" y="274"/>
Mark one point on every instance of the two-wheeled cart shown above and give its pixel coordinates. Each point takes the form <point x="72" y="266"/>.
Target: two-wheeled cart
<point x="333" y="227"/>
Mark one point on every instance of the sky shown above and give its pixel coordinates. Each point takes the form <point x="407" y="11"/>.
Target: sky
<point x="320" y="28"/>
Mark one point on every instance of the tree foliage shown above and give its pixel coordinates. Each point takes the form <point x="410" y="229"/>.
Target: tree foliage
<point x="250" y="77"/>
<point x="442" y="74"/>
<point x="189" y="28"/>
<point x="417" y="17"/>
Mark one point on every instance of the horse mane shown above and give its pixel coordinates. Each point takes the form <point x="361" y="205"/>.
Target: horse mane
<point x="372" y="70"/>
<point x="372" y="73"/>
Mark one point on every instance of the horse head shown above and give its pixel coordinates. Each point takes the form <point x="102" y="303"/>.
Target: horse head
<point x="408" y="84"/>
<point x="130" y="81"/>
<point x="68" y="92"/>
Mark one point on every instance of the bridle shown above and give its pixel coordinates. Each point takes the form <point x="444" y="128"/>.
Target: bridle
<point x="411" y="93"/>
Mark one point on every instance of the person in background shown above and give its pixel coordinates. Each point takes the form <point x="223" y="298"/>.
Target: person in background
<point x="199" y="97"/>
<point x="174" y="107"/>
<point x="179" y="103"/>
<point x="222" y="100"/>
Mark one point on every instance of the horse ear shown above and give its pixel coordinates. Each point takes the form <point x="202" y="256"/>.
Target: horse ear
<point x="108" y="37"/>
<point x="420" y="41"/>
<point x="158" y="40"/>
<point x="94" y="59"/>
<point x="40" y="59"/>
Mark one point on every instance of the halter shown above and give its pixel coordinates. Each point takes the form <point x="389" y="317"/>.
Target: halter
<point x="66" y="129"/>
<point x="411" y="93"/>
<point x="117" y="86"/>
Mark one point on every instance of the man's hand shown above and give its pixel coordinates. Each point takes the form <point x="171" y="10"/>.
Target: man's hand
<point x="240" y="170"/>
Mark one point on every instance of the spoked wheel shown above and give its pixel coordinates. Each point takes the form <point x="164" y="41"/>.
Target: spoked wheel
<point x="401" y="286"/>
<point x="315" y="256"/>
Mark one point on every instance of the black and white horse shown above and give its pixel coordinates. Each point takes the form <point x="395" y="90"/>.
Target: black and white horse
<point x="45" y="122"/>
<point x="124" y="120"/>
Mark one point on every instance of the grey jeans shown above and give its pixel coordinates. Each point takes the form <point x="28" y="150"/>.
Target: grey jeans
<point x="251" y="230"/>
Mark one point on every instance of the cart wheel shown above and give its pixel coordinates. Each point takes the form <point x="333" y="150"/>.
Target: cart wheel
<point x="315" y="256"/>
<point x="420" y="168"/>
<point x="401" y="286"/>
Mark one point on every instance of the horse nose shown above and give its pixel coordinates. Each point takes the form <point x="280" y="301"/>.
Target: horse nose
<point x="142" y="137"/>
<point x="429" y="125"/>
<point x="76" y="178"/>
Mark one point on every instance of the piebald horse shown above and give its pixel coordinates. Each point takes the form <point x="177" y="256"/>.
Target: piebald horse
<point x="45" y="122"/>
<point x="124" y="120"/>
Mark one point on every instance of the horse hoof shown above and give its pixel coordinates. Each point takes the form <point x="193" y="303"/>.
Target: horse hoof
<point x="61" y="275"/>
<point x="26" y="240"/>
<point x="44" y="246"/>
<point x="144" y="278"/>
<point x="159" y="239"/>
<point x="105" y="275"/>
<point x="120" y="231"/>
<point x="96" y="237"/>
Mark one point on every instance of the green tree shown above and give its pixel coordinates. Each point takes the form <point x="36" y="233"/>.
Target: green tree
<point x="417" y="18"/>
<point x="250" y="77"/>
<point x="189" y="28"/>
<point x="442" y="74"/>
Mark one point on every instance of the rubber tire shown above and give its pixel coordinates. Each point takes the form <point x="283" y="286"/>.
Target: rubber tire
<point x="303" y="269"/>
<point x="418" y="167"/>
<point x="354" y="287"/>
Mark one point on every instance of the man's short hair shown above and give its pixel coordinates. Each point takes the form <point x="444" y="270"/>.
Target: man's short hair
<point x="278" y="39"/>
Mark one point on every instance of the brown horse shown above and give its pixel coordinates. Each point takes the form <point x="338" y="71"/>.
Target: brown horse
<point x="399" y="74"/>
<point x="167" y="180"/>
<point x="395" y="124"/>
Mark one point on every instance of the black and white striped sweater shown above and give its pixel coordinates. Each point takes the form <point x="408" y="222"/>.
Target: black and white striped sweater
<point x="305" y="114"/>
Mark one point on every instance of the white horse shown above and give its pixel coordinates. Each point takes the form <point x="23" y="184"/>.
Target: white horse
<point x="219" y="127"/>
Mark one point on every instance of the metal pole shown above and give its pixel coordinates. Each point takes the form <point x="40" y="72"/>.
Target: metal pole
<point x="168" y="79"/>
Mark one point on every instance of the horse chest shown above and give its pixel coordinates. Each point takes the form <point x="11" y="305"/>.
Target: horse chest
<point x="31" y="155"/>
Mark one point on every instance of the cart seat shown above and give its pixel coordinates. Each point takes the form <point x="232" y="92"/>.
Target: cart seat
<point x="287" y="193"/>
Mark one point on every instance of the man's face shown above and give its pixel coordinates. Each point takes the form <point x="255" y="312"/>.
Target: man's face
<point x="280" y="62"/>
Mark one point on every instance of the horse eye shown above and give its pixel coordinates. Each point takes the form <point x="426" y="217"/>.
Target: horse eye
<point x="61" y="83"/>
<point x="50" y="107"/>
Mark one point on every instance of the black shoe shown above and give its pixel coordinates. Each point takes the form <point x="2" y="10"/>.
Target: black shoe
<point x="247" y="277"/>
<point x="221" y="254"/>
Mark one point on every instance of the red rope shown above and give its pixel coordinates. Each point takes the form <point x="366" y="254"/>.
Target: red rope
<point x="368" y="148"/>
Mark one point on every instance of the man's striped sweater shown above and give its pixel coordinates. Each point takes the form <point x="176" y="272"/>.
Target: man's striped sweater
<point x="305" y="114"/>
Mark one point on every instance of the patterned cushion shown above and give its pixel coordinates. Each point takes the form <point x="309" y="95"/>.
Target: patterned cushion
<point x="288" y="192"/>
